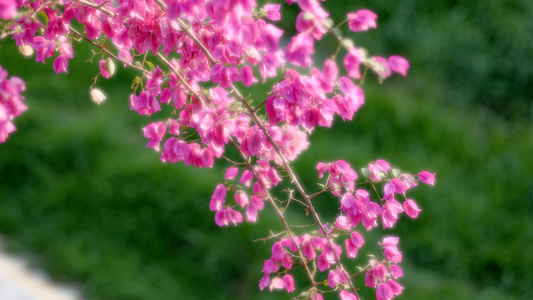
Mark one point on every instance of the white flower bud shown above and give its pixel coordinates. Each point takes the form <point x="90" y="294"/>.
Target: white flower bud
<point x="110" y="66"/>
<point x="26" y="50"/>
<point x="97" y="96"/>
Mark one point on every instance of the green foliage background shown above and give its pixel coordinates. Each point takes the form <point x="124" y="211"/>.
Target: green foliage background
<point x="82" y="198"/>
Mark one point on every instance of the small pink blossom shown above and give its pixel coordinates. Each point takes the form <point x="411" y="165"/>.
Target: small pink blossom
<point x="395" y="287"/>
<point x="60" y="64"/>
<point x="231" y="173"/>
<point x="272" y="11"/>
<point x="263" y="283"/>
<point x="276" y="284"/>
<point x="144" y="104"/>
<point x="426" y="177"/>
<point x="8" y="9"/>
<point x="343" y="222"/>
<point x="317" y="296"/>
<point x="300" y="49"/>
<point x="219" y="198"/>
<point x="155" y="132"/>
<point x="226" y="216"/>
<point x="391" y="250"/>
<point x="270" y="266"/>
<point x="352" y="63"/>
<point x="396" y="271"/>
<point x="247" y="76"/>
<point x="381" y="66"/>
<point x="345" y="295"/>
<point x="398" y="64"/>
<point x="411" y="209"/>
<point x="399" y="186"/>
<point x="289" y="283"/>
<point x="241" y="198"/>
<point x="125" y="56"/>
<point x="353" y="244"/>
<point x="335" y="277"/>
<point x="362" y="20"/>
<point x="391" y="209"/>
<point x="384" y="292"/>
<point x="330" y="71"/>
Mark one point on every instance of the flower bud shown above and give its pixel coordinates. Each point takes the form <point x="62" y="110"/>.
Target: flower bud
<point x="26" y="50"/>
<point x="97" y="96"/>
<point x="107" y="67"/>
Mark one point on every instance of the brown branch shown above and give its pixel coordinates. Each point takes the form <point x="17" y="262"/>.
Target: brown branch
<point x="96" y="6"/>
<point x="279" y="213"/>
<point x="181" y="79"/>
<point x="106" y="51"/>
<point x="188" y="30"/>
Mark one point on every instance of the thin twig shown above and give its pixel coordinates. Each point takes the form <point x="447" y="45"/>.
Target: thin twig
<point x="107" y="51"/>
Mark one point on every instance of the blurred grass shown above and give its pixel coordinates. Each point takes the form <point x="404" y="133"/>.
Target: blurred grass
<point x="83" y="198"/>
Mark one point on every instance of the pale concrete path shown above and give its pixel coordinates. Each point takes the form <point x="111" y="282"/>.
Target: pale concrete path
<point x="19" y="282"/>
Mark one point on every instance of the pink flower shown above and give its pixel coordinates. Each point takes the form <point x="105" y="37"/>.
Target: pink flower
<point x="426" y="177"/>
<point x="277" y="284"/>
<point x="300" y="49"/>
<point x="317" y="296"/>
<point x="125" y="56"/>
<point x="398" y="64"/>
<point x="155" y="132"/>
<point x="345" y="295"/>
<point x="246" y="177"/>
<point x="219" y="198"/>
<point x="272" y="11"/>
<point x="226" y="216"/>
<point x="247" y="76"/>
<point x="231" y="173"/>
<point x="391" y="250"/>
<point x="399" y="186"/>
<point x="335" y="277"/>
<point x="330" y="71"/>
<point x="411" y="209"/>
<point x="270" y="266"/>
<point x="381" y="66"/>
<point x="144" y="104"/>
<point x="353" y="244"/>
<point x="395" y="287"/>
<point x="8" y="9"/>
<point x="352" y="62"/>
<point x="384" y="292"/>
<point x="307" y="246"/>
<point x="11" y="104"/>
<point x="362" y="20"/>
<point x="271" y="36"/>
<point x="65" y="48"/>
<point x="391" y="209"/>
<point x="263" y="283"/>
<point x="60" y="64"/>
<point x="396" y="271"/>
<point x="241" y="198"/>
<point x="289" y="283"/>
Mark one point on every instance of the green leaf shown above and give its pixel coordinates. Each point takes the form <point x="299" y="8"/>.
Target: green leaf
<point x="150" y="65"/>
<point x="42" y="17"/>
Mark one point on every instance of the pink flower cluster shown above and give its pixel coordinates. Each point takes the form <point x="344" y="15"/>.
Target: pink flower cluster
<point x="285" y="249"/>
<point x="11" y="104"/>
<point x="225" y="212"/>
<point x="381" y="278"/>
<point x="194" y="56"/>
